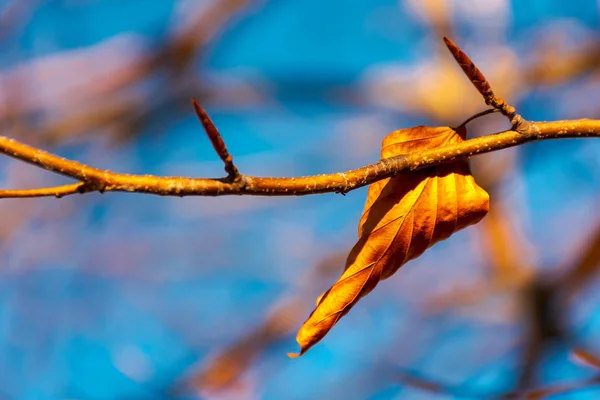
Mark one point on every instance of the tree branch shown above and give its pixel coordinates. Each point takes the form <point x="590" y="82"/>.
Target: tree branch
<point x="94" y="179"/>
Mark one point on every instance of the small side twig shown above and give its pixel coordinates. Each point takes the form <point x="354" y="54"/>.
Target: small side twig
<point x="415" y="380"/>
<point x="483" y="86"/>
<point x="478" y="115"/>
<point x="217" y="141"/>
<point x="55" y="191"/>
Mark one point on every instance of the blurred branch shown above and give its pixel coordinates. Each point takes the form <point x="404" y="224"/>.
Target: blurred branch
<point x="116" y="86"/>
<point x="586" y="358"/>
<point x="587" y="266"/>
<point x="225" y="369"/>
<point x="546" y="304"/>
<point x="542" y="300"/>
<point x="427" y="384"/>
<point x="233" y="361"/>
<point x="552" y="66"/>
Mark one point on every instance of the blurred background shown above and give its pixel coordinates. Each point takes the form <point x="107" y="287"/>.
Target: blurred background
<point x="128" y="296"/>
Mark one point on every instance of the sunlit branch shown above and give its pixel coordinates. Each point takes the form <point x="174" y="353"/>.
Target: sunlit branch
<point x="94" y="179"/>
<point x="341" y="182"/>
<point x="56" y="191"/>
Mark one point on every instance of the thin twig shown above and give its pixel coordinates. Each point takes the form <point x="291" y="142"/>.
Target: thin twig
<point x="217" y="141"/>
<point x="478" y="115"/>
<point x="343" y="182"/>
<point x="483" y="86"/>
<point x="413" y="379"/>
<point x="103" y="180"/>
<point x="56" y="191"/>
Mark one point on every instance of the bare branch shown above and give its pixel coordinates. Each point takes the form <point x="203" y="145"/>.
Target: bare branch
<point x="415" y="380"/>
<point x="94" y="179"/>
<point x="585" y="357"/>
<point x="342" y="182"/>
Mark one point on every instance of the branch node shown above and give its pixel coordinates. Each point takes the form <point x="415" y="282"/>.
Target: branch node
<point x="523" y="126"/>
<point x="217" y="141"/>
<point x="240" y="181"/>
<point x="81" y="189"/>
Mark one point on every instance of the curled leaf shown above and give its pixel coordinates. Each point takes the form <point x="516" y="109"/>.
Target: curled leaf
<point x="403" y="216"/>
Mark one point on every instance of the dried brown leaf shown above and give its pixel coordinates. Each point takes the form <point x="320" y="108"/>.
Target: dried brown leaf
<point x="403" y="216"/>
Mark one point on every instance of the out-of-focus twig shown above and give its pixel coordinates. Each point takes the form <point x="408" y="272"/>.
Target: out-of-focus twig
<point x="124" y="108"/>
<point x="223" y="370"/>
<point x="226" y="367"/>
<point x="585" y="268"/>
<point x="415" y="380"/>
<point x="544" y="303"/>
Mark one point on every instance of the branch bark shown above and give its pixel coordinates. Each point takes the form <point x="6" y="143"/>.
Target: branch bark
<point x="94" y="179"/>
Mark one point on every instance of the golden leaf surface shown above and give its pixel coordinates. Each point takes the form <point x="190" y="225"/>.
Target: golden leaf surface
<point x="403" y="216"/>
